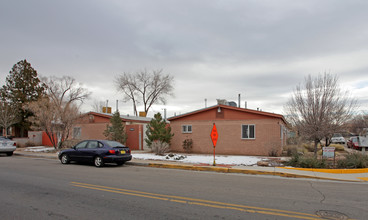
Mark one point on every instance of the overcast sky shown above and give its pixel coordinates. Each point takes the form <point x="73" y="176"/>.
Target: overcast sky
<point x="214" y="49"/>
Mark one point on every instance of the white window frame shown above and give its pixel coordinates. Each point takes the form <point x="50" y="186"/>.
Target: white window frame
<point x="77" y="131"/>
<point x="186" y="129"/>
<point x="248" y="132"/>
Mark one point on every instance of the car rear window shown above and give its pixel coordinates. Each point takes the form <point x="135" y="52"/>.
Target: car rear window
<point x="114" y="144"/>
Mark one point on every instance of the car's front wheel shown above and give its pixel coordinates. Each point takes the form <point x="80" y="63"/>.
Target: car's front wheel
<point x="98" y="161"/>
<point x="65" y="159"/>
<point x="9" y="153"/>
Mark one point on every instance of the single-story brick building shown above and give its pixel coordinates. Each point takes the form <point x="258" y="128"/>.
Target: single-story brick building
<point x="240" y="131"/>
<point x="92" y="125"/>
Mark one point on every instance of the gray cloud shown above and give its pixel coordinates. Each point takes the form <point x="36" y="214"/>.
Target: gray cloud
<point x="214" y="49"/>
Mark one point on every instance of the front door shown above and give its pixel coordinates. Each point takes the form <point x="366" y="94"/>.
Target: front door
<point x="77" y="153"/>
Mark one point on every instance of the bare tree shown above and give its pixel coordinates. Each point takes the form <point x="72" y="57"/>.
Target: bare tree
<point x="97" y="106"/>
<point x="126" y="83"/>
<point x="149" y="87"/>
<point x="319" y="108"/>
<point x="57" y="111"/>
<point x="8" y="115"/>
<point x="359" y="124"/>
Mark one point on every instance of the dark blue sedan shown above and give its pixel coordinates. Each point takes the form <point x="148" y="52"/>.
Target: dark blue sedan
<point x="97" y="151"/>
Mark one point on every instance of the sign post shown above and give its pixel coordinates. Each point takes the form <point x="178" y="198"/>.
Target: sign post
<point x="214" y="137"/>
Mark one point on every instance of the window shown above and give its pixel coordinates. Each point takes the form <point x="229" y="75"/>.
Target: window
<point x="186" y="129"/>
<point x="114" y="144"/>
<point x="248" y="132"/>
<point x="76" y="133"/>
<point x="93" y="144"/>
<point x="81" y="145"/>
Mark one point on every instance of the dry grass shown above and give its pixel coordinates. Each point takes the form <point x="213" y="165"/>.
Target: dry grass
<point x="308" y="148"/>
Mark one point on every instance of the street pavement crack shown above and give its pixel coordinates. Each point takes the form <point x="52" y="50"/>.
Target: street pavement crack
<point x="323" y="196"/>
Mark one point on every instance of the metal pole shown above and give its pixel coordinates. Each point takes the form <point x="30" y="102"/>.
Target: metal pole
<point x="214" y="157"/>
<point x="239" y="100"/>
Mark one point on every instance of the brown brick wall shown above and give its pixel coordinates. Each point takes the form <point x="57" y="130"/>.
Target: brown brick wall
<point x="267" y="137"/>
<point x="92" y="131"/>
<point x="93" y="128"/>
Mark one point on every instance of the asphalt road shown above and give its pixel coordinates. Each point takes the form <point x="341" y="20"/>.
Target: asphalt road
<point x="32" y="188"/>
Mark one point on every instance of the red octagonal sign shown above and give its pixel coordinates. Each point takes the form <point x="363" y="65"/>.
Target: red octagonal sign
<point x="214" y="135"/>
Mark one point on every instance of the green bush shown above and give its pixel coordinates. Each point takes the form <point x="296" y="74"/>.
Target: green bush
<point x="293" y="160"/>
<point x="188" y="145"/>
<point x="306" y="162"/>
<point x="312" y="162"/>
<point x="354" y="160"/>
<point x="291" y="150"/>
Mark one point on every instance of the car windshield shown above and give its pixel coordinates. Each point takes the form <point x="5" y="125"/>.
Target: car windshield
<point x="337" y="135"/>
<point x="114" y="144"/>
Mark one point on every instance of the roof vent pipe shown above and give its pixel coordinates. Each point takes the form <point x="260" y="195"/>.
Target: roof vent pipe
<point x="239" y="100"/>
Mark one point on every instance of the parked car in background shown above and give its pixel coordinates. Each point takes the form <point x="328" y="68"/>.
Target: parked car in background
<point x="338" y="139"/>
<point x="7" y="146"/>
<point x="98" y="152"/>
<point x="353" y="143"/>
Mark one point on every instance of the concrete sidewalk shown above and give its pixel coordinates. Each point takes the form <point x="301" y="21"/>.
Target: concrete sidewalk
<point x="349" y="175"/>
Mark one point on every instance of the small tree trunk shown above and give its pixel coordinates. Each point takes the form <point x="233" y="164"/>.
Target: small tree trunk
<point x="327" y="142"/>
<point x="5" y="131"/>
<point x="59" y="140"/>
<point x="315" y="147"/>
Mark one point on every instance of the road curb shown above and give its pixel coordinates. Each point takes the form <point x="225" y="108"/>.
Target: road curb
<point x="235" y="170"/>
<point x="36" y="155"/>
<point x="335" y="171"/>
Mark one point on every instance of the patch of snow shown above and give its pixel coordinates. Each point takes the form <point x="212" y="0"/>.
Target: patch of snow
<point x="206" y="159"/>
<point x="39" y="149"/>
